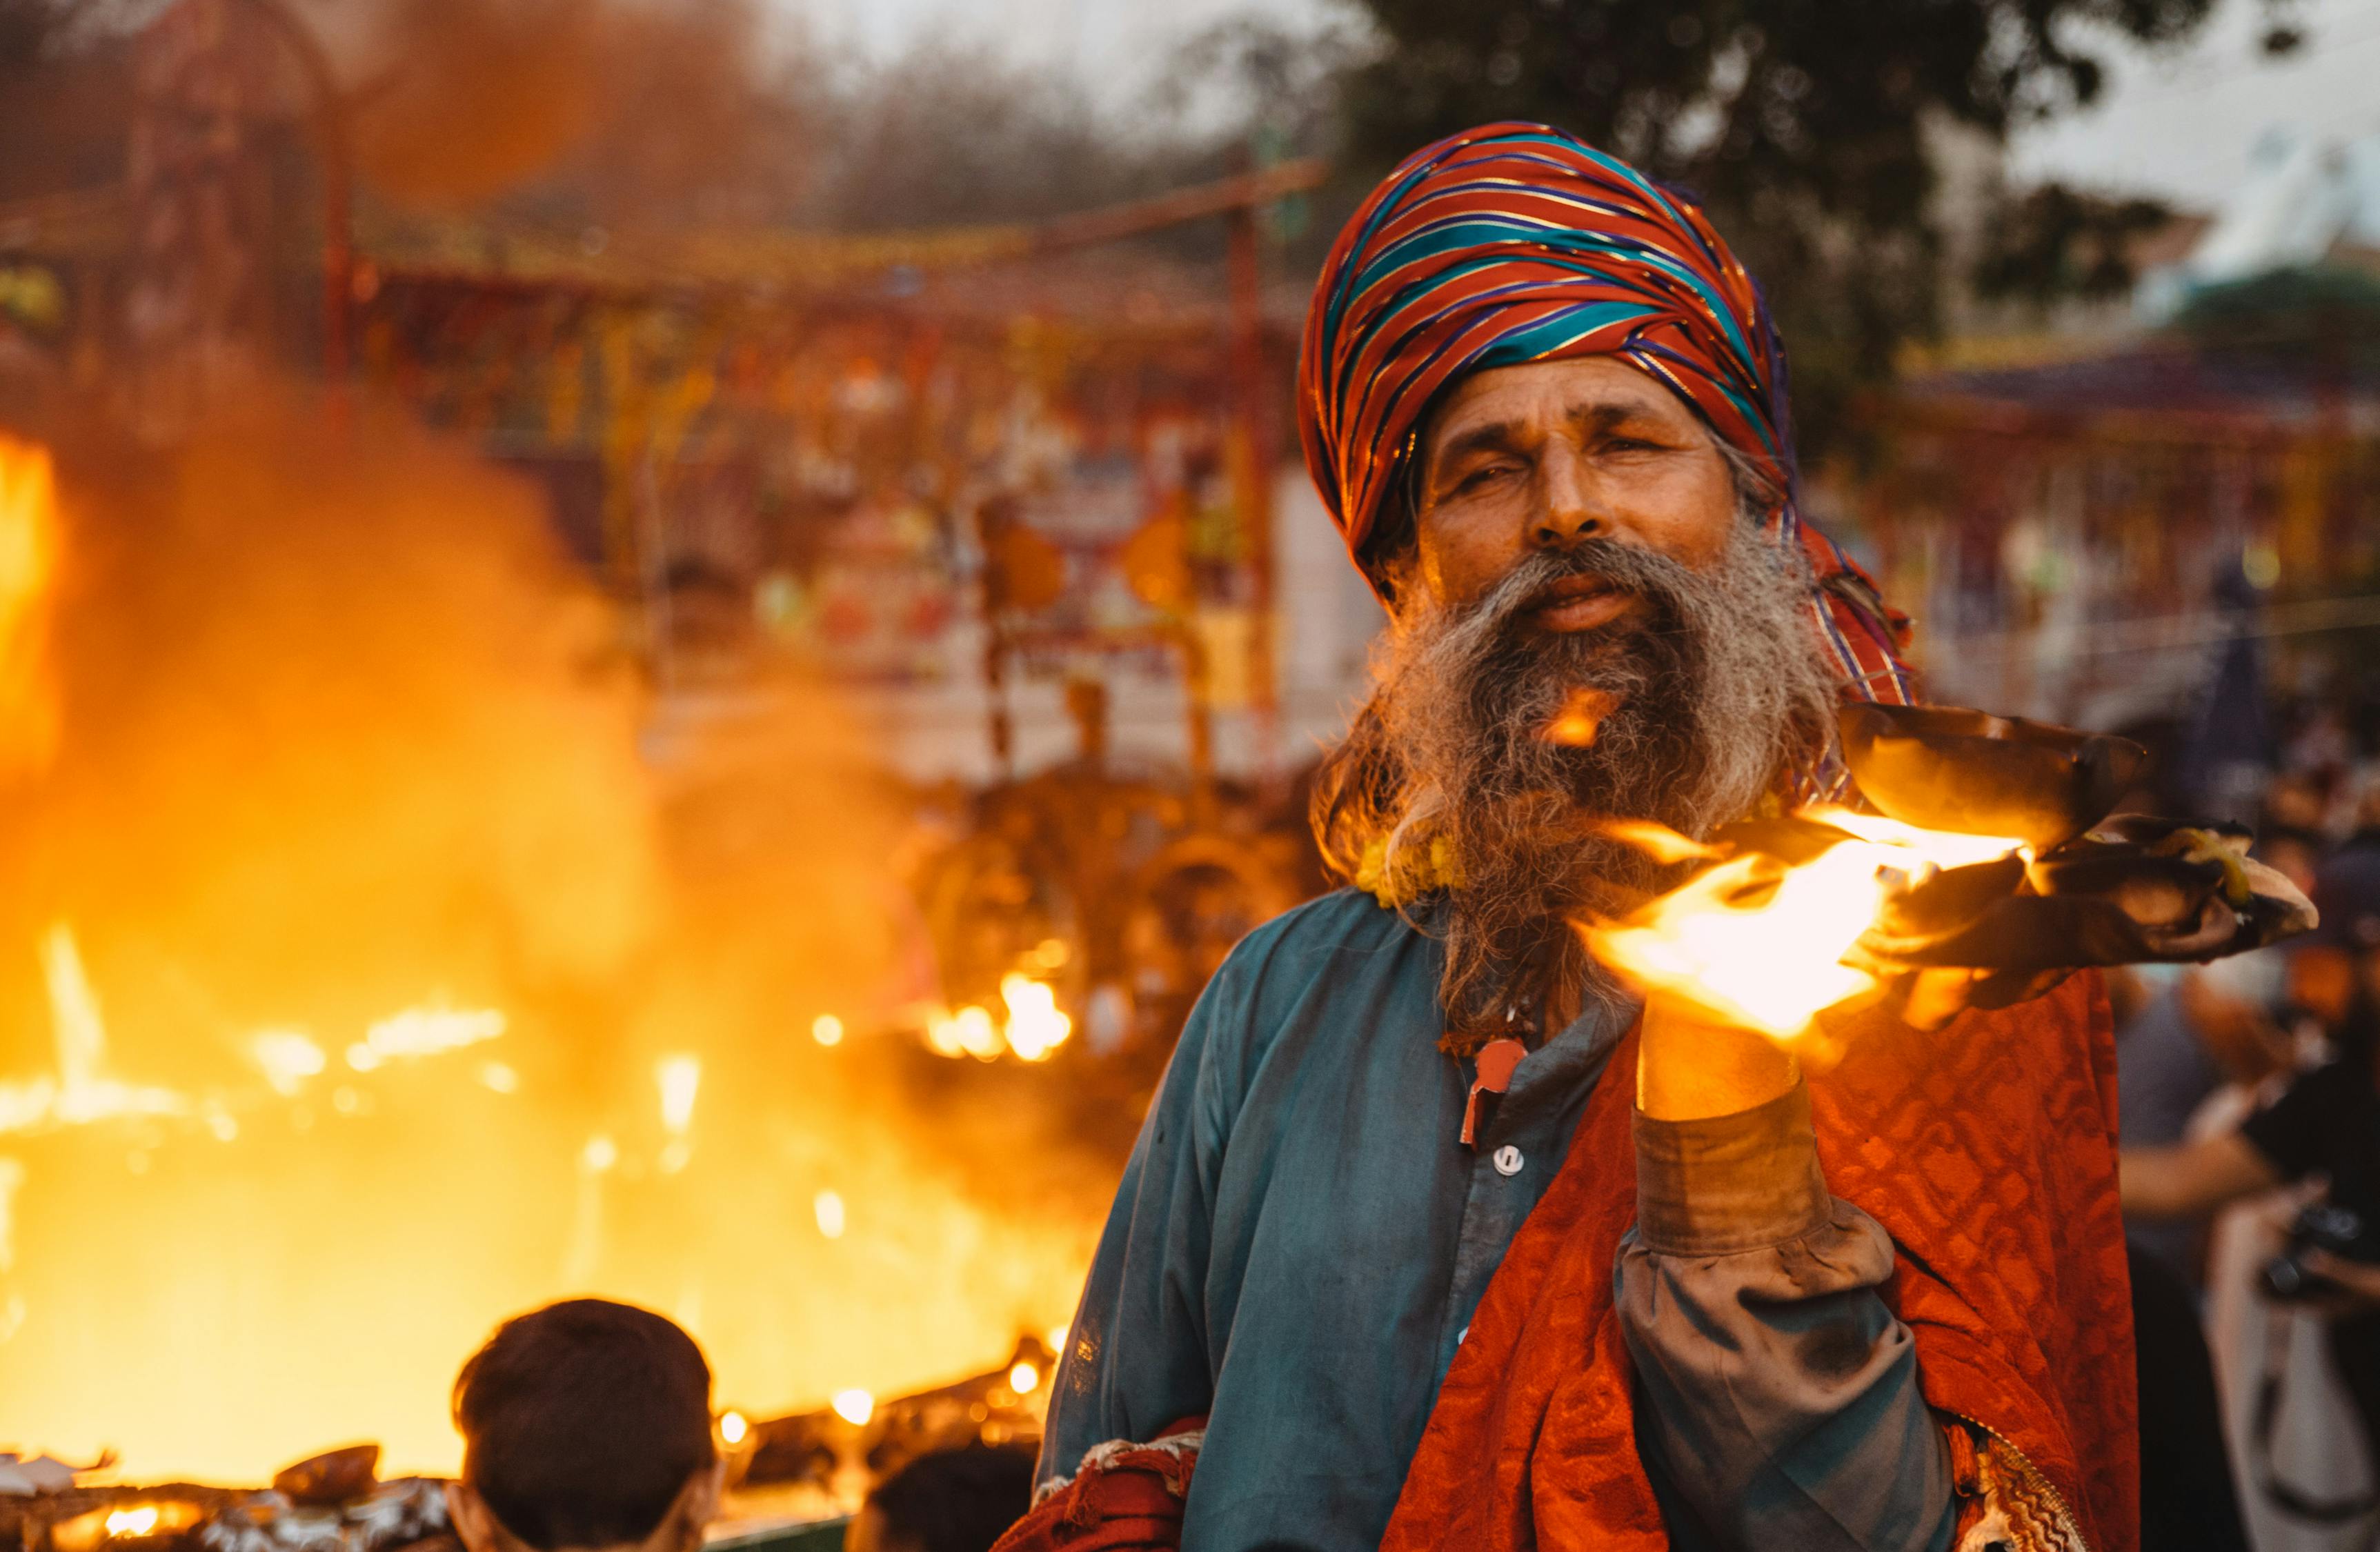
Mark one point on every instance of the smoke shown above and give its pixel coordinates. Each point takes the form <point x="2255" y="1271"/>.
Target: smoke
<point x="622" y="112"/>
<point x="480" y="95"/>
<point x="349" y="776"/>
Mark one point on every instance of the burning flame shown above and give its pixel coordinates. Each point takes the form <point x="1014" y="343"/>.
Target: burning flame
<point x="732" y="1429"/>
<point x="1658" y="842"/>
<point x="28" y="554"/>
<point x="680" y="1078"/>
<point x="855" y="1407"/>
<point x="420" y="1032"/>
<point x="1753" y="943"/>
<point x="1034" y="1028"/>
<point x="1580" y="718"/>
<point x="345" y="746"/>
<point x="81" y="1093"/>
<point x="137" y="1522"/>
<point x="288" y="1058"/>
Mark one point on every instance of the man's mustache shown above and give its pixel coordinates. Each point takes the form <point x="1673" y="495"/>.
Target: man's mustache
<point x="1544" y="576"/>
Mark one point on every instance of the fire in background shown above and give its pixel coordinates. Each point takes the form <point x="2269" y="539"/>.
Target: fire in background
<point x="362" y="984"/>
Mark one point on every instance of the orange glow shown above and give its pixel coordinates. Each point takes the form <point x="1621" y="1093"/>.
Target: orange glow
<point x="288" y="1057"/>
<point x="680" y="1078"/>
<point x="29" y="560"/>
<point x="1753" y="943"/>
<point x="81" y="1093"/>
<point x="365" y="950"/>
<point x="855" y="1407"/>
<point x="732" y="1429"/>
<point x="827" y="1030"/>
<point x="1658" y="841"/>
<point x="1036" y="1027"/>
<point x="1024" y="1378"/>
<point x="1580" y="718"/>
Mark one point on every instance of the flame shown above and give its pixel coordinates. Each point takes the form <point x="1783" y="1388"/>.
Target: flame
<point x="1024" y="1378"/>
<point x="419" y="1032"/>
<point x="680" y="1078"/>
<point x="81" y="1093"/>
<point x="827" y="1207"/>
<point x="732" y="1429"/>
<point x="1756" y="944"/>
<point x="28" y="557"/>
<point x="288" y="1058"/>
<point x="1658" y="842"/>
<point x="855" y="1407"/>
<point x="356" y="731"/>
<point x="1036" y="1027"/>
<point x="12" y="1176"/>
<point x="1580" y="718"/>
<point x="137" y="1522"/>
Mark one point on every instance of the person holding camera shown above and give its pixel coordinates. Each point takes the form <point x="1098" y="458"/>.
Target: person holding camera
<point x="2325" y="1125"/>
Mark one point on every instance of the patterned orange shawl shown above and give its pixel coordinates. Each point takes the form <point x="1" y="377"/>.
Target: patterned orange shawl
<point x="1986" y="1150"/>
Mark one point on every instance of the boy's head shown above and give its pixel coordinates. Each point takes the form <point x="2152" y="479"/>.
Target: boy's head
<point x="586" y="1425"/>
<point x="950" y="1500"/>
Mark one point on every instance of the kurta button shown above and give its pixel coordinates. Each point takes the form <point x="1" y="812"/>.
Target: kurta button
<point x="1508" y="1160"/>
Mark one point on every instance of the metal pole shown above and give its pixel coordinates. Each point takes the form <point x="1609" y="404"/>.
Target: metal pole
<point x="336" y="152"/>
<point x="1252" y="471"/>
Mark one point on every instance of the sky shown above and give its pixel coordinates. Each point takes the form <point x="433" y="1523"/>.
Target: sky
<point x="2177" y="124"/>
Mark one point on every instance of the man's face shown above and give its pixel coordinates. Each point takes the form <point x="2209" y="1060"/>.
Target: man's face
<point x="1544" y="456"/>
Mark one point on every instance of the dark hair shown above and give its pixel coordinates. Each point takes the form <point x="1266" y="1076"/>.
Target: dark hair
<point x="583" y="1421"/>
<point x="956" y="1500"/>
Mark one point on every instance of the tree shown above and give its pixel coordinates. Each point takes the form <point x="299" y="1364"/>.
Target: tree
<point x="1808" y="126"/>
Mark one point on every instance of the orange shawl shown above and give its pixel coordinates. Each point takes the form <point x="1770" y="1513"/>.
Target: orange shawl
<point x="1986" y="1150"/>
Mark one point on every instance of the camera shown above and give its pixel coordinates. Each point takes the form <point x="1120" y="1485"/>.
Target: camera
<point x="2323" y="1226"/>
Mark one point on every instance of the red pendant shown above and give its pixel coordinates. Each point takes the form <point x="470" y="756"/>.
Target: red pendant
<point x="1496" y="1061"/>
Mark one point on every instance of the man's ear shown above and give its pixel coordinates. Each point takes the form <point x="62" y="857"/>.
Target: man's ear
<point x="474" y="1522"/>
<point x="696" y="1506"/>
<point x="708" y="1487"/>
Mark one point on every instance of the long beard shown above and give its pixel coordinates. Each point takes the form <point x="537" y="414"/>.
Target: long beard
<point x="1475" y="746"/>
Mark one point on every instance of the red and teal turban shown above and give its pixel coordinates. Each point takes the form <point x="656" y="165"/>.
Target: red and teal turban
<point x="1516" y="242"/>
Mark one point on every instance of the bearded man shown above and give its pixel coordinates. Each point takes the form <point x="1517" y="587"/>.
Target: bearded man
<point x="1393" y="1270"/>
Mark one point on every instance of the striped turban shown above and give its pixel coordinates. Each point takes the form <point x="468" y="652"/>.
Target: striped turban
<point x="1514" y="243"/>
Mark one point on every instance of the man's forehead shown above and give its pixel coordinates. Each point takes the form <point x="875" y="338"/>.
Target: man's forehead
<point x="1591" y="388"/>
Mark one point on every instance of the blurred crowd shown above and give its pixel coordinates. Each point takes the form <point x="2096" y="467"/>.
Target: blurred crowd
<point x="2251" y="1127"/>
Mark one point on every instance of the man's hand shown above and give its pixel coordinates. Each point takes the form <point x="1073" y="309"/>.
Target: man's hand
<point x="1687" y="1069"/>
<point x="2358" y="1281"/>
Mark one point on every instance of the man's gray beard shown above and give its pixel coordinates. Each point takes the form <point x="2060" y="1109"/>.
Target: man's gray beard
<point x="1716" y="689"/>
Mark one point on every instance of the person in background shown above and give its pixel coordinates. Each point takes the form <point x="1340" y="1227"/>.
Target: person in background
<point x="2194" y="1038"/>
<point x="2327" y="1124"/>
<point x="946" y="1500"/>
<point x="586" y="1426"/>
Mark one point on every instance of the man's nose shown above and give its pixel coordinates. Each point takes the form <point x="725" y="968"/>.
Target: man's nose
<point x="1568" y="507"/>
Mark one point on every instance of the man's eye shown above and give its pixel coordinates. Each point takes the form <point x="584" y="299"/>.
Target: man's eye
<point x="1480" y="476"/>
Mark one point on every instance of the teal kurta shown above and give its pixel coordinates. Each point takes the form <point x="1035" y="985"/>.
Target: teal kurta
<point x="1300" y="1240"/>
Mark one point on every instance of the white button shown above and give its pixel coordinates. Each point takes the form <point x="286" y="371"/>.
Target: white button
<point x="1508" y="1160"/>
